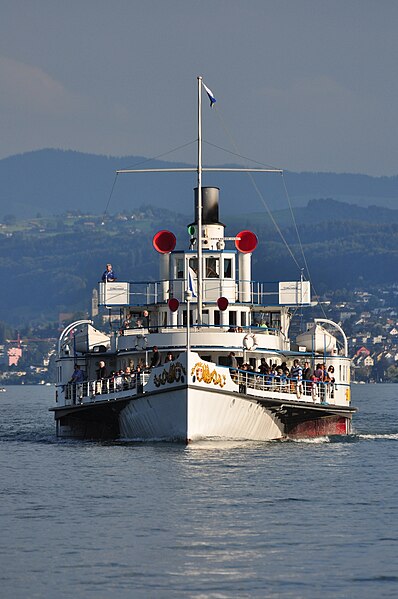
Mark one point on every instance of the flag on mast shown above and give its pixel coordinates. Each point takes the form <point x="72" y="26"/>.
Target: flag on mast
<point x="192" y="282"/>
<point x="210" y="94"/>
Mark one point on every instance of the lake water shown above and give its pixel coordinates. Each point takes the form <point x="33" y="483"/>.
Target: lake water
<point x="277" y="520"/>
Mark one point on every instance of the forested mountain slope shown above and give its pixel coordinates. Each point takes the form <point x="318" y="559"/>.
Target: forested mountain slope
<point x="53" y="181"/>
<point x="52" y="265"/>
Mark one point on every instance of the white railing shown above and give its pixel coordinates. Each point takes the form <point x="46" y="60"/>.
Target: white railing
<point x="142" y="293"/>
<point x="312" y="391"/>
<point x="104" y="389"/>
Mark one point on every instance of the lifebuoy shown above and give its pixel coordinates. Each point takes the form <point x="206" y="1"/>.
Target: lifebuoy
<point x="250" y="341"/>
<point x="299" y="389"/>
<point x="142" y="342"/>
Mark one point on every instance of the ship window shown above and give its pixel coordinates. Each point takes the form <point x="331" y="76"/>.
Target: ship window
<point x="243" y="319"/>
<point x="232" y="317"/>
<point x="227" y="268"/>
<point x="205" y="317"/>
<point x="180" y="268"/>
<point x="193" y="263"/>
<point x="212" y="268"/>
<point x="223" y="360"/>
<point x="184" y="318"/>
<point x="217" y="318"/>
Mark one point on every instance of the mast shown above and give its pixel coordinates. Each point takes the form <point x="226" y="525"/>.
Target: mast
<point x="199" y="215"/>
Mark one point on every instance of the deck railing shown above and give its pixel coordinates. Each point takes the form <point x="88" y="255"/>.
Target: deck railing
<point x="143" y="293"/>
<point x="97" y="390"/>
<point x="322" y="392"/>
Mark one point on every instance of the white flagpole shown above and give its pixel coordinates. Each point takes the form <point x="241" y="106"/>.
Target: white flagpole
<point x="199" y="217"/>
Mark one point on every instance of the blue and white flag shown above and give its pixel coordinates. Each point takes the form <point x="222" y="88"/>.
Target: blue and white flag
<point x="192" y="281"/>
<point x="210" y="94"/>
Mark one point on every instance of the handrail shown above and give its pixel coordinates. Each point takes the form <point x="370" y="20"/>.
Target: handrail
<point x="77" y="392"/>
<point x="338" y="327"/>
<point x="144" y="293"/>
<point x="68" y="328"/>
<point x="324" y="391"/>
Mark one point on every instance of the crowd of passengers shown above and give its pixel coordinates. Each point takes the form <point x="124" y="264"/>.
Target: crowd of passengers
<point x="117" y="380"/>
<point x="288" y="378"/>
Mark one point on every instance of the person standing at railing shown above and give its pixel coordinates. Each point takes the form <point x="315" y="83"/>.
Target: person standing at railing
<point x="76" y="381"/>
<point x="307" y="376"/>
<point x="109" y="276"/>
<point x="331" y="380"/>
<point x="127" y="378"/>
<point x="101" y="376"/>
<point x="78" y="375"/>
<point x="296" y="375"/>
<point x="155" y="361"/>
<point x="319" y="375"/>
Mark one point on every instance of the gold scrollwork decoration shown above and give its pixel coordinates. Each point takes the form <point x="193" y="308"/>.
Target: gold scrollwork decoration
<point x="174" y="374"/>
<point x="202" y="373"/>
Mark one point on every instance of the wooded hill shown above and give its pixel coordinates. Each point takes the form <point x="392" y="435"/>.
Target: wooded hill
<point x="50" y="182"/>
<point x="51" y="265"/>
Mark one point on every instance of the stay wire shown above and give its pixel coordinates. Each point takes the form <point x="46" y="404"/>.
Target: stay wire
<point x="261" y="197"/>
<point x="239" y="155"/>
<point x="296" y="227"/>
<point x="145" y="162"/>
<point x="110" y="197"/>
<point x="300" y="243"/>
<point x="189" y="143"/>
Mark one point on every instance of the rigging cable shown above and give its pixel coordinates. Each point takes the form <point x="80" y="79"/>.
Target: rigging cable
<point x="300" y="243"/>
<point x="236" y="153"/>
<point x="261" y="197"/>
<point x="144" y="162"/>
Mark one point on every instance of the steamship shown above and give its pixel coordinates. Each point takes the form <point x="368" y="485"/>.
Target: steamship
<point x="221" y="342"/>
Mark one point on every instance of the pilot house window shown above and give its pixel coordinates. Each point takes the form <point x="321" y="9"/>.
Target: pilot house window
<point x="212" y="268"/>
<point x="227" y="268"/>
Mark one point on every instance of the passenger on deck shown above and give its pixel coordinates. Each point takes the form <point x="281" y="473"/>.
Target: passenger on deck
<point x="319" y="372"/>
<point x="263" y="368"/>
<point x="285" y="369"/>
<point x="331" y="380"/>
<point x="307" y="375"/>
<point x="169" y="357"/>
<point x="127" y="378"/>
<point x="78" y="375"/>
<point x="232" y="361"/>
<point x="76" y="382"/>
<point x="319" y="377"/>
<point x="155" y="361"/>
<point x="296" y="373"/>
<point x="330" y="374"/>
<point x="108" y="275"/>
<point x="281" y="378"/>
<point x="101" y="370"/>
<point x="118" y="380"/>
<point x="145" y="317"/>
<point x="127" y="321"/>
<point x="101" y="376"/>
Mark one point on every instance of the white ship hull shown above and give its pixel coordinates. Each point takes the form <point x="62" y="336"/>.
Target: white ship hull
<point x="192" y="400"/>
<point x="205" y="351"/>
<point x="192" y="414"/>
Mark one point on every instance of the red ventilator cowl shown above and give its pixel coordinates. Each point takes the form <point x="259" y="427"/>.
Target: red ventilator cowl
<point x="164" y="242"/>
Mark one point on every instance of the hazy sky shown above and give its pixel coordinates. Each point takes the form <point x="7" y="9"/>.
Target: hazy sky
<point x="301" y="84"/>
